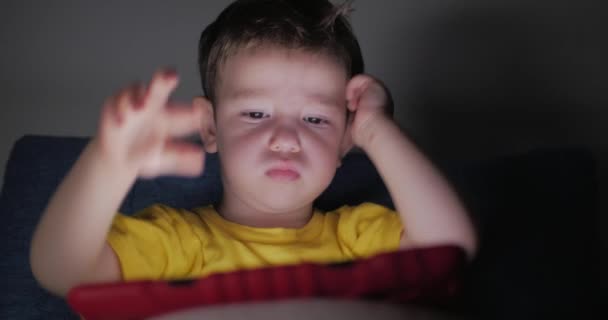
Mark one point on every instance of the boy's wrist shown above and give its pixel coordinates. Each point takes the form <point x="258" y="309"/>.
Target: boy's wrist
<point x="113" y="163"/>
<point x="373" y="131"/>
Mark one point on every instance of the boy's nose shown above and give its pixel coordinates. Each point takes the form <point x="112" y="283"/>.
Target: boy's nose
<point x="285" y="140"/>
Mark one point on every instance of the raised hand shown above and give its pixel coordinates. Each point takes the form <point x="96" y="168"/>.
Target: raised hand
<point x="370" y="103"/>
<point x="139" y="129"/>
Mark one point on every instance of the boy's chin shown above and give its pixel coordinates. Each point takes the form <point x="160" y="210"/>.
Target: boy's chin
<point x="282" y="202"/>
<point x="280" y="206"/>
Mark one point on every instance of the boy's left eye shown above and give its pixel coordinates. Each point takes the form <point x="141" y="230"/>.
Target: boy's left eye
<point x="315" y="120"/>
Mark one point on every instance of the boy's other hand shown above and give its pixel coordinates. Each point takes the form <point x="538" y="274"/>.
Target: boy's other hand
<point x="139" y="127"/>
<point x="370" y="105"/>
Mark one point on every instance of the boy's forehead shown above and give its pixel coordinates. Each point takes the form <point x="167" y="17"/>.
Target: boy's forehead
<point x="318" y="96"/>
<point x="252" y="72"/>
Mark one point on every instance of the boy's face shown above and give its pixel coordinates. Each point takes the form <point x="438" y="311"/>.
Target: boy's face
<point x="281" y="126"/>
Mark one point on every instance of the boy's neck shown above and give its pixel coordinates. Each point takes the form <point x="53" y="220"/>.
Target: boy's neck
<point x="234" y="210"/>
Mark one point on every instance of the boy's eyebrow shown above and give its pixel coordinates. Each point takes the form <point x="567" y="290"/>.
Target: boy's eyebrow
<point x="323" y="99"/>
<point x="326" y="100"/>
<point x="244" y="93"/>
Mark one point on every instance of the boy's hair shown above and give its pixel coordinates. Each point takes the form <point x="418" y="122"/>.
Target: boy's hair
<point x="314" y="25"/>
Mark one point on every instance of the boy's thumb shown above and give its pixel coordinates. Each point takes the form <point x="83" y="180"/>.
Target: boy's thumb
<point x="182" y="159"/>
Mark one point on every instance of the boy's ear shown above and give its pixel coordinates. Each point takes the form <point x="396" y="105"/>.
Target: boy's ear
<point x="208" y="130"/>
<point x="347" y="143"/>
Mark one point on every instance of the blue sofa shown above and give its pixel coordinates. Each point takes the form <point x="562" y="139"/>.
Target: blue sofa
<point x="535" y="213"/>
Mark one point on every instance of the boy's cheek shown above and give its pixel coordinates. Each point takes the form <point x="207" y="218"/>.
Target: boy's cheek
<point x="238" y="148"/>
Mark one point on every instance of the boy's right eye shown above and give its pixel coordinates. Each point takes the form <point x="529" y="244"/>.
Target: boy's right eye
<point x="254" y="114"/>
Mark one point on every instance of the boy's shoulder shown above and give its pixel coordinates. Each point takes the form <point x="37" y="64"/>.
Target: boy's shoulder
<point x="160" y="211"/>
<point x="165" y="209"/>
<point x="365" y="210"/>
<point x="364" y="206"/>
<point x="346" y="214"/>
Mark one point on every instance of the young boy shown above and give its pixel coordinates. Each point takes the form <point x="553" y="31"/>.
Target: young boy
<point x="285" y="101"/>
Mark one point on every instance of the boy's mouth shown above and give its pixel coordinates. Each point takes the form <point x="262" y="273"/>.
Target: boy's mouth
<point x="283" y="173"/>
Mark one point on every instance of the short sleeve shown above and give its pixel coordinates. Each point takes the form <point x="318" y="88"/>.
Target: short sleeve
<point x="369" y="229"/>
<point x="157" y="243"/>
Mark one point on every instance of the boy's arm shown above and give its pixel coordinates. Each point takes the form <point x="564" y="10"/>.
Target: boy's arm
<point x="135" y="139"/>
<point x="430" y="209"/>
<point x="69" y="243"/>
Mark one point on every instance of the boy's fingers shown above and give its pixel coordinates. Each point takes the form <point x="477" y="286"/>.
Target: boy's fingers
<point x="108" y="116"/>
<point x="162" y="84"/>
<point x="354" y="89"/>
<point x="182" y="159"/>
<point x="355" y="84"/>
<point x="109" y="109"/>
<point x="140" y="96"/>
<point x="183" y="120"/>
<point x="124" y="102"/>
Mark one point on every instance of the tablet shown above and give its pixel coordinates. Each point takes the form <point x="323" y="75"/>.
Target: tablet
<point x="429" y="275"/>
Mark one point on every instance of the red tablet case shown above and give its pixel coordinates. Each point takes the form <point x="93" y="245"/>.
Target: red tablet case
<point x="424" y="274"/>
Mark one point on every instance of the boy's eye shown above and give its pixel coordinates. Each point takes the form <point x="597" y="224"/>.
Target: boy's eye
<point x="254" y="114"/>
<point x="315" y="120"/>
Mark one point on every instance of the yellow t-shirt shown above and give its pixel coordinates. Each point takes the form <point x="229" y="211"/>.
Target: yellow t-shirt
<point x="166" y="243"/>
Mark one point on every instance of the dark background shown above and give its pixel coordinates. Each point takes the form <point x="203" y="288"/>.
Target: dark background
<point x="470" y="79"/>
